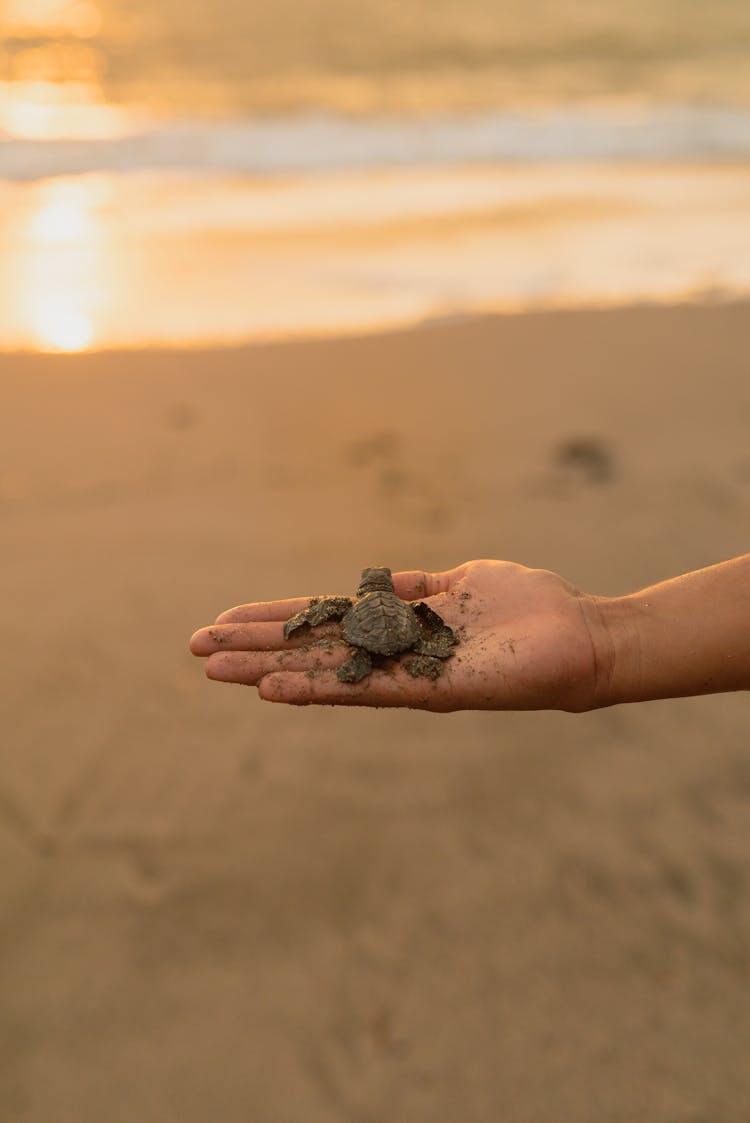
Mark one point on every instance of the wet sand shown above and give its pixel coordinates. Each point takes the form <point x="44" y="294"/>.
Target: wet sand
<point x="213" y="908"/>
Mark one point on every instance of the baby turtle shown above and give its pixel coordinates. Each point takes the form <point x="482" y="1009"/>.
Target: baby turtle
<point x="379" y="624"/>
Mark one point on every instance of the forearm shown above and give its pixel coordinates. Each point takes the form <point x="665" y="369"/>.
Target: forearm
<point x="686" y="636"/>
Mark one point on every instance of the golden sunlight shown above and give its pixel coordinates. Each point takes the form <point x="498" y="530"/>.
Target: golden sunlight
<point x="79" y="18"/>
<point x="60" y="326"/>
<point x="52" y="76"/>
<point x="61" y="220"/>
<point x="55" y="111"/>
<point x="62" y="278"/>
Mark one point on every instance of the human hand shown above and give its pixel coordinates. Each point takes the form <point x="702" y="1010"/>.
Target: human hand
<point x="528" y="640"/>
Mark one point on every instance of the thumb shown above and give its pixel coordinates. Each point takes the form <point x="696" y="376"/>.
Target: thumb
<point x="413" y="584"/>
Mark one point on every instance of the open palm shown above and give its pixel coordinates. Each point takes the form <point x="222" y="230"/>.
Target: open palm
<point x="528" y="640"/>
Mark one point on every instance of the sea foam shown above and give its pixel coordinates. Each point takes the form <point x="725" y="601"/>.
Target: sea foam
<point x="313" y="142"/>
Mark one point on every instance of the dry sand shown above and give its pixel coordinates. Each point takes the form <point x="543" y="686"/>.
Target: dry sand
<point x="217" y="909"/>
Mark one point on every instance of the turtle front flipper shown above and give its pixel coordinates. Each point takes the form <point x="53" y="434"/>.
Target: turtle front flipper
<point x="317" y="612"/>
<point x="356" y="667"/>
<point x="437" y="638"/>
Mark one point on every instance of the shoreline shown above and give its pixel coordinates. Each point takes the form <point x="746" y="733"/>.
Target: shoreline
<point x="478" y="318"/>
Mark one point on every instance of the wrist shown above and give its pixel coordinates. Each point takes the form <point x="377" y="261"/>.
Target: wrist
<point x="615" y="629"/>
<point x="680" y="638"/>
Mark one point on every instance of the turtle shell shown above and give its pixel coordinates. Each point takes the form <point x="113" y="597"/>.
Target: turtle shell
<point x="381" y="623"/>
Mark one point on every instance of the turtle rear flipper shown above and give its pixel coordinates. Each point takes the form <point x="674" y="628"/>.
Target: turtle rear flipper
<point x="317" y="612"/>
<point x="356" y="667"/>
<point x="437" y="638"/>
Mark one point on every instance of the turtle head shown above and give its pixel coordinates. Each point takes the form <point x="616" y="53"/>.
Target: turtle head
<point x="376" y="579"/>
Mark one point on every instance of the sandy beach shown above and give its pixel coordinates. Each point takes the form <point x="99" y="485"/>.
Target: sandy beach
<point x="214" y="908"/>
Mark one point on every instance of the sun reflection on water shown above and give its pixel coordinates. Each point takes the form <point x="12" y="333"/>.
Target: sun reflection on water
<point x="52" y="71"/>
<point x="51" y="75"/>
<point x="56" y="111"/>
<point x="61" y="326"/>
<point x="62" y="282"/>
<point x="79" y="18"/>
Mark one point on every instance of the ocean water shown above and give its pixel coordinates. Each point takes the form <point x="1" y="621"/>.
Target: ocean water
<point x="193" y="173"/>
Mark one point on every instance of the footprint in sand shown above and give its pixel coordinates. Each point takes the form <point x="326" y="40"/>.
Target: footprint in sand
<point x="576" y="464"/>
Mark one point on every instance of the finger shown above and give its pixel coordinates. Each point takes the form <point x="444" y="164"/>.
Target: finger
<point x="264" y="610"/>
<point x="249" y="667"/>
<point x="413" y="584"/>
<point x="268" y="636"/>
<point x="380" y="688"/>
<point x="409" y="585"/>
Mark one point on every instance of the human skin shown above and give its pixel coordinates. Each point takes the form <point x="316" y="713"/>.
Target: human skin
<point x="529" y="640"/>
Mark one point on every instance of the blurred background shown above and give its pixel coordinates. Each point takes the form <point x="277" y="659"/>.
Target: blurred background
<point x="285" y="291"/>
<point x="355" y="165"/>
